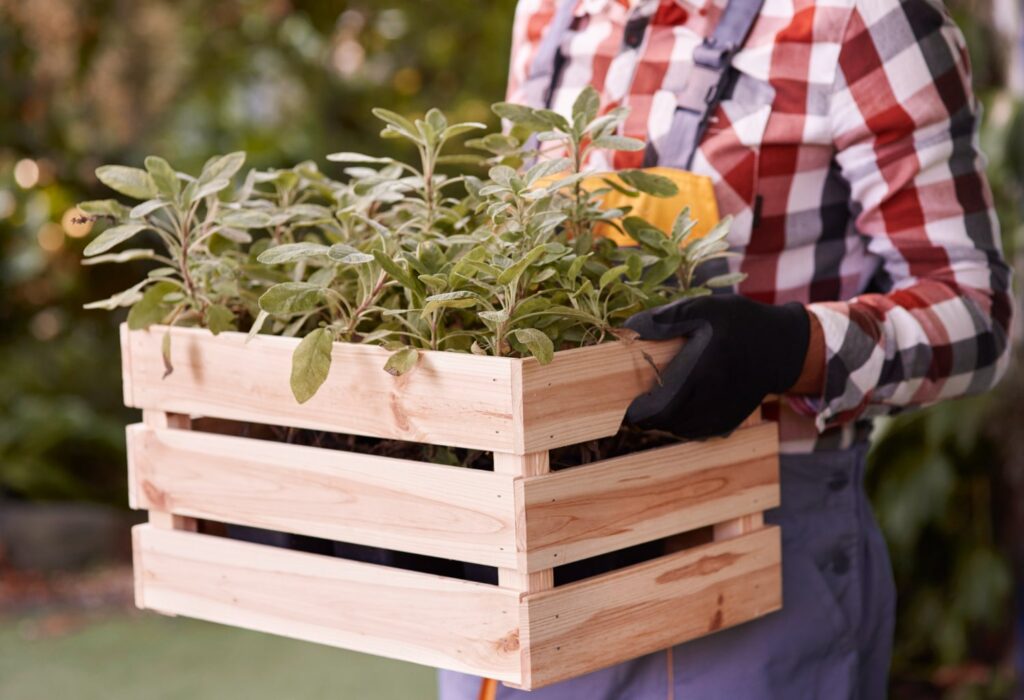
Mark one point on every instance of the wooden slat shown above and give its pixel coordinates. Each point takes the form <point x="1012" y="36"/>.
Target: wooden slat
<point x="449" y="399"/>
<point x="449" y="512"/>
<point x="584" y="393"/>
<point x="490" y="403"/>
<point x="421" y="618"/>
<point x="613" y="504"/>
<point x="585" y="626"/>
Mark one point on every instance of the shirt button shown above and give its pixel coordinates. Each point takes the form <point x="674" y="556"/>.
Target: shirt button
<point x="838" y="481"/>
<point x="840" y="563"/>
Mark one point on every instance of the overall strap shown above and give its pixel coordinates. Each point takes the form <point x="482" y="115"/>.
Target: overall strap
<point x="705" y="85"/>
<point x="547" y="62"/>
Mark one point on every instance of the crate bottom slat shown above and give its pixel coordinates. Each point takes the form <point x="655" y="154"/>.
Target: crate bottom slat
<point x="422" y="618"/>
<point x="585" y="626"/>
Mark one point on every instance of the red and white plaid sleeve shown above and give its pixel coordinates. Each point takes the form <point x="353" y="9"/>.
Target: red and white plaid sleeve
<point x="905" y="131"/>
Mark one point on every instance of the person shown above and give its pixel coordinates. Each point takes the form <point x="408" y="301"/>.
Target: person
<point x="842" y="139"/>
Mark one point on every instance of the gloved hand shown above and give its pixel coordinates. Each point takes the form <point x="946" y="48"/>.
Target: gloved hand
<point x="737" y="352"/>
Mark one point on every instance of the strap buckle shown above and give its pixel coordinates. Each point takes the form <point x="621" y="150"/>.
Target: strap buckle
<point x="706" y="78"/>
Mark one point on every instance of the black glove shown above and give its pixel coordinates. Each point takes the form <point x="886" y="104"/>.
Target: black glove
<point x="737" y="352"/>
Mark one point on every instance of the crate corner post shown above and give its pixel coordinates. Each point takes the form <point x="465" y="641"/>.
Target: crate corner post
<point x="521" y="579"/>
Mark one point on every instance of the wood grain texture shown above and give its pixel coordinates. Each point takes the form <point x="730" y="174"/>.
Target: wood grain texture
<point x="421" y="618"/>
<point x="738" y="526"/>
<point x="158" y="516"/>
<point x="449" y="512"/>
<point x="491" y="403"/>
<point x="583" y="394"/>
<point x="516" y="576"/>
<point x="449" y="399"/>
<point x="585" y="626"/>
<point x="601" y="507"/>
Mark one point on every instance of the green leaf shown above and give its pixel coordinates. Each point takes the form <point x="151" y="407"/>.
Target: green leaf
<point x="545" y="168"/>
<point x="165" y="354"/>
<point x="141" y="211"/>
<point x="494" y="317"/>
<point x="290" y="252"/>
<point x="221" y="168"/>
<point x="206" y="189"/>
<point x="245" y="219"/>
<point x="554" y="120"/>
<point x="586" y="106"/>
<point x="396" y="272"/>
<point x="432" y="281"/>
<point x="227" y="233"/>
<point x="345" y="253"/>
<point x="512" y="274"/>
<point x="123" y="256"/>
<point x="727" y="280"/>
<point x="292" y="298"/>
<point x="519" y="114"/>
<point x="649" y="183"/>
<point x="164" y="177"/>
<point x="257" y="325"/>
<point x="348" y="157"/>
<point x="537" y="342"/>
<point x="456" y="130"/>
<point x="682" y="226"/>
<point x="450" y="300"/>
<point x="311" y="363"/>
<point x="104" y="207"/>
<point x="126" y="297"/>
<point x="397" y="122"/>
<point x="151" y="308"/>
<point x="220" y="318"/>
<point x="132" y="182"/>
<point x="620" y="143"/>
<point x="402" y="361"/>
<point x="112" y="237"/>
<point x="612" y="275"/>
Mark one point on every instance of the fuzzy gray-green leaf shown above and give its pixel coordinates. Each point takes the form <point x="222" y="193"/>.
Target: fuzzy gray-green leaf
<point x="290" y="252"/>
<point x="649" y="183"/>
<point x="112" y="237"/>
<point x="132" y="182"/>
<point x="291" y="298"/>
<point x="311" y="363"/>
<point x="220" y="318"/>
<point x="402" y="361"/>
<point x="537" y="342"/>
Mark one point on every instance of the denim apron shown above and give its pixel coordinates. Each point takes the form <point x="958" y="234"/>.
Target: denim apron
<point x="832" y="639"/>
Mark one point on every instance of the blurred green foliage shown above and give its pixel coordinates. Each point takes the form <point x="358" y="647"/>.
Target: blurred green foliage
<point x="286" y="80"/>
<point x="111" y="81"/>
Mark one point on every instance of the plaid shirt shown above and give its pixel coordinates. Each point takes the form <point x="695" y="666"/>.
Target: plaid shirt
<point x="847" y="154"/>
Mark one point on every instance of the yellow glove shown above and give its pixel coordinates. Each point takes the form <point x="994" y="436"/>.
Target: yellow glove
<point x="695" y="191"/>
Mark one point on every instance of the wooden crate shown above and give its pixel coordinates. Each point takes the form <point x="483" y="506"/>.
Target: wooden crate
<point x="521" y="518"/>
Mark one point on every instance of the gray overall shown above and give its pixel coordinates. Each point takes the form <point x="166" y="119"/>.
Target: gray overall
<point x="833" y="638"/>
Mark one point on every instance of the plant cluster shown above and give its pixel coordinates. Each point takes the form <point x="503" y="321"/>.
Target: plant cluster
<point x="408" y="256"/>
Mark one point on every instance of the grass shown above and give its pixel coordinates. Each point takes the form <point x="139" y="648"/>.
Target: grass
<point x="148" y="657"/>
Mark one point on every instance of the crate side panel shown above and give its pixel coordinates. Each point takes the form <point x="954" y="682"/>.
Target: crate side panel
<point x="615" y="617"/>
<point x="414" y="617"/>
<point x="583" y="394"/>
<point x="448" y="399"/>
<point x="410" y="506"/>
<point x="613" y="504"/>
